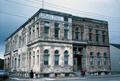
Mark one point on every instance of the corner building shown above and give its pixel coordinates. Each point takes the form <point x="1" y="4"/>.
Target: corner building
<point x="54" y="44"/>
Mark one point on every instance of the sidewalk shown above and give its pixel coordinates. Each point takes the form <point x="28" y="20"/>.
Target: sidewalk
<point x="65" y="78"/>
<point x="44" y="79"/>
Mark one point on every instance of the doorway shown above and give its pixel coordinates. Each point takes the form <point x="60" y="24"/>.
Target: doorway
<point x="77" y="59"/>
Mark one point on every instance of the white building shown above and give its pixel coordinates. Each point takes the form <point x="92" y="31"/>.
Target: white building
<point x="58" y="44"/>
<point x="115" y="58"/>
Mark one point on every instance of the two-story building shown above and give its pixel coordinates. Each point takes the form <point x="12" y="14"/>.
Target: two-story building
<point x="53" y="43"/>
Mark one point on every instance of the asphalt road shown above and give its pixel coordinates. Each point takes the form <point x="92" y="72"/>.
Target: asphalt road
<point x="67" y="79"/>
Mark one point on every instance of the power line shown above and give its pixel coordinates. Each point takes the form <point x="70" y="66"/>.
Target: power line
<point x="72" y="9"/>
<point x="66" y="8"/>
<point x="24" y="17"/>
<point x="37" y="7"/>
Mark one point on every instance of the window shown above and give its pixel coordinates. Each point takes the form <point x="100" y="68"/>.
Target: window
<point x="97" y="35"/>
<point x="33" y="60"/>
<point x="37" y="29"/>
<point x="33" y="32"/>
<point x="46" y="23"/>
<point x="12" y="61"/>
<point x="46" y="57"/>
<point x="37" y="59"/>
<point x="91" y="58"/>
<point x="23" y="40"/>
<point x="29" y="33"/>
<point x="98" y="58"/>
<point x="66" y="57"/>
<point x="66" y="26"/>
<point x="105" y="58"/>
<point x="46" y="31"/>
<point x="37" y="17"/>
<point x="15" y="63"/>
<point x="65" y="18"/>
<point x="103" y="36"/>
<point x="30" y="59"/>
<point x="23" y="37"/>
<point x="56" y="30"/>
<point x="65" y="34"/>
<point x="77" y="33"/>
<point x="33" y="20"/>
<point x="15" y="42"/>
<point x="19" y="61"/>
<point x="56" y="57"/>
<point x="90" y="34"/>
<point x="66" y="31"/>
<point x="19" y="41"/>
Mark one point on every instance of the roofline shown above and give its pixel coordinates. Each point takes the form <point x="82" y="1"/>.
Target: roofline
<point x="22" y="25"/>
<point x="95" y="20"/>
<point x="89" y="19"/>
<point x="114" y="44"/>
<point x="40" y="10"/>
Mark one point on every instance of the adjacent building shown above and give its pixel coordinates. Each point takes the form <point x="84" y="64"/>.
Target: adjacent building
<point x="53" y="43"/>
<point x="115" y="58"/>
<point x="1" y="63"/>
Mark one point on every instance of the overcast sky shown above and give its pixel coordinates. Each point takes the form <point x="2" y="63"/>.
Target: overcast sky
<point x="13" y="13"/>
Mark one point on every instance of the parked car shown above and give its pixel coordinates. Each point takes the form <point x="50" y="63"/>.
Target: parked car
<point x="4" y="75"/>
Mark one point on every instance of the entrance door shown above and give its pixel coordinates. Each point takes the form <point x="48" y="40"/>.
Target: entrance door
<point x="77" y="63"/>
<point x="77" y="59"/>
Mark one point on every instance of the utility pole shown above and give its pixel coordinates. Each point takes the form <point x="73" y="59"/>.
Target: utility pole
<point x="42" y="4"/>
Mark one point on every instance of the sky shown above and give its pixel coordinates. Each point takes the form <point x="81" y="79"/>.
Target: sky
<point x="13" y="13"/>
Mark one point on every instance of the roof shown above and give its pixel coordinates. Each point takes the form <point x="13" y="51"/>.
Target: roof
<point x="116" y="45"/>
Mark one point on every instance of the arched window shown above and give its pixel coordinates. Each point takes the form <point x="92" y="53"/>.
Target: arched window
<point x="98" y="58"/>
<point x="105" y="58"/>
<point x="46" y="57"/>
<point x="56" y="57"/>
<point x="66" y="57"/>
<point x="91" y="58"/>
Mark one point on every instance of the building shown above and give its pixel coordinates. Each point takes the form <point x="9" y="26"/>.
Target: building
<point x="1" y="63"/>
<point x="115" y="58"/>
<point x="53" y="44"/>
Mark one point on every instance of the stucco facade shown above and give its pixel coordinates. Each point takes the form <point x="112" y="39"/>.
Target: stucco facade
<point x="58" y="44"/>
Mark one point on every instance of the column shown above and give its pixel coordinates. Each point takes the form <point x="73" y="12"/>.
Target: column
<point x="70" y="59"/>
<point x="84" y="57"/>
<point x="61" y="57"/>
<point x="41" y="59"/>
<point x="35" y="30"/>
<point x="52" y="30"/>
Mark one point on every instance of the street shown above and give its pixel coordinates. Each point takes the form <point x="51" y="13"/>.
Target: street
<point x="70" y="79"/>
